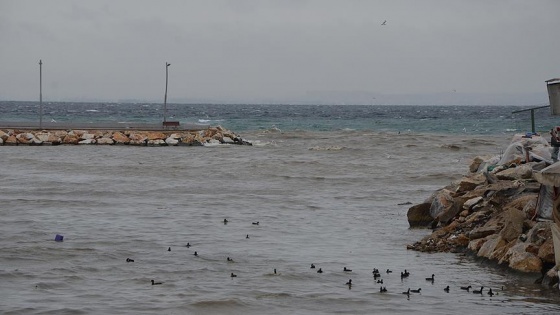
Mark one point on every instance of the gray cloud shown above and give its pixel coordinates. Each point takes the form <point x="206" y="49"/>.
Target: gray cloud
<point x="277" y="51"/>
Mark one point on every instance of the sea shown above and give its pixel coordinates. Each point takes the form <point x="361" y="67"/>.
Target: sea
<point x="328" y="185"/>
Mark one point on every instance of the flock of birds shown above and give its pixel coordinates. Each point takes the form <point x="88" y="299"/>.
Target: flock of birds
<point x="376" y="276"/>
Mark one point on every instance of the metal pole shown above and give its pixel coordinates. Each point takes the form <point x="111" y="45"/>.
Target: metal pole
<point x="533" y="121"/>
<point x="165" y="98"/>
<point x="40" y="94"/>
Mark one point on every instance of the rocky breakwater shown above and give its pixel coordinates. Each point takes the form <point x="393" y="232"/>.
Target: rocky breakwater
<point x="209" y="136"/>
<point x="495" y="212"/>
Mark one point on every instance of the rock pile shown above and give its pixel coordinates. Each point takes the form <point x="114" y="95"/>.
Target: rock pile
<point x="212" y="135"/>
<point x="492" y="213"/>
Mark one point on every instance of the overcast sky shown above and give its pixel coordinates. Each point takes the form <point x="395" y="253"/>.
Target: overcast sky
<point x="289" y="50"/>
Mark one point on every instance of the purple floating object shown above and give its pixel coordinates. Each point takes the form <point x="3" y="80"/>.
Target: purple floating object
<point x="58" y="238"/>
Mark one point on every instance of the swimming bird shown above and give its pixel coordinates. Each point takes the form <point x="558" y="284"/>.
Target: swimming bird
<point x="416" y="291"/>
<point x="347" y="270"/>
<point x="490" y="292"/>
<point x="375" y="270"/>
<point x="233" y="275"/>
<point x="312" y="266"/>
<point x="274" y="270"/>
<point x="380" y="281"/>
<point x="383" y="289"/>
<point x="229" y="259"/>
<point x="466" y="288"/>
<point x="129" y="260"/>
<point x="349" y="283"/>
<point x="478" y="291"/>
<point x="320" y="270"/>
<point x="247" y="236"/>
<point x="389" y="271"/>
<point x="407" y="292"/>
<point x="188" y="245"/>
<point x="155" y="283"/>
<point x="169" y="249"/>
<point x="406" y="273"/>
<point x="431" y="279"/>
<point x="256" y="223"/>
<point x="196" y="253"/>
<point x="226" y="221"/>
<point x="446" y="289"/>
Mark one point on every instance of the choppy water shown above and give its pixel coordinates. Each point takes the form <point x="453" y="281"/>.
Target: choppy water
<point x="325" y="197"/>
<point x="471" y="120"/>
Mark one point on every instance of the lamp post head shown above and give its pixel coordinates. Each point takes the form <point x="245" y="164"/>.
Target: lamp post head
<point x="40" y="62"/>
<point x="167" y="64"/>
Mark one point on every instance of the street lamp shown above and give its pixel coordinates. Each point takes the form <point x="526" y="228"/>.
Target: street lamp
<point x="165" y="98"/>
<point x="40" y="94"/>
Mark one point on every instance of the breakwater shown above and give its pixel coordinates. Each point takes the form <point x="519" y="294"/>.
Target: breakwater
<point x="208" y="136"/>
<point x="498" y="211"/>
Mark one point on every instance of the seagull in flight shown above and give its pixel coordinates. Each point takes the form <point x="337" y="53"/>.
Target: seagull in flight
<point x="384" y="22"/>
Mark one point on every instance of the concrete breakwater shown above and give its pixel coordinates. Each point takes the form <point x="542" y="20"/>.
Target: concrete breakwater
<point x="208" y="136"/>
<point x="498" y="211"/>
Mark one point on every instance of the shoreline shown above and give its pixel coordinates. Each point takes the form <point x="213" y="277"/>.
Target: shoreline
<point x="501" y="211"/>
<point x="99" y="135"/>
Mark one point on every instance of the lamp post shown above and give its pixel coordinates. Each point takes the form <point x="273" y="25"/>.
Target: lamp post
<point x="40" y="94"/>
<point x="165" y="97"/>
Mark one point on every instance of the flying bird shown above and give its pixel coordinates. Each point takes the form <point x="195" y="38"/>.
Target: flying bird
<point x="384" y="22"/>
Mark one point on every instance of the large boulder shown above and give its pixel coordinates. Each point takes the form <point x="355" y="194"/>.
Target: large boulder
<point x="105" y="140"/>
<point x="546" y="252"/>
<point x="513" y="226"/>
<point x="120" y="138"/>
<point x="493" y="243"/>
<point x="483" y="231"/>
<point x="419" y="215"/>
<point x="443" y="201"/>
<point x="171" y="141"/>
<point x="523" y="171"/>
<point x="70" y="139"/>
<point x="519" y="259"/>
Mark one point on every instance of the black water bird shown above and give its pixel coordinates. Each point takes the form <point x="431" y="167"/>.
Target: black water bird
<point x="407" y="292"/>
<point x="229" y="259"/>
<point x="312" y="266"/>
<point x="226" y="221"/>
<point x="233" y="275"/>
<point x="389" y="271"/>
<point x="256" y="223"/>
<point x="347" y="270"/>
<point x="274" y="270"/>
<point x="349" y="283"/>
<point x="380" y="281"/>
<point x="129" y="260"/>
<point x="478" y="291"/>
<point x="416" y="291"/>
<point x="446" y="289"/>
<point x="375" y="270"/>
<point x="431" y="279"/>
<point x="466" y="288"/>
<point x="169" y="249"/>
<point x="247" y="236"/>
<point x="188" y="245"/>
<point x="196" y="253"/>
<point x="320" y="270"/>
<point x="383" y="289"/>
<point x="406" y="273"/>
<point x="155" y="283"/>
<point x="490" y="292"/>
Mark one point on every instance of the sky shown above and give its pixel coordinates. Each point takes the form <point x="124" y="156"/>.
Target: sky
<point x="281" y="51"/>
